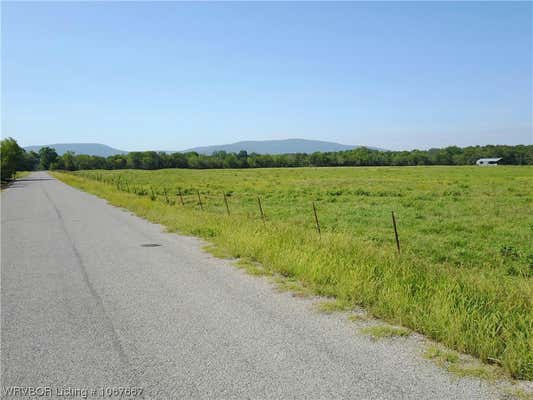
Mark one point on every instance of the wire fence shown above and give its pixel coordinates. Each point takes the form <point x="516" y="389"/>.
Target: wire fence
<point x="209" y="202"/>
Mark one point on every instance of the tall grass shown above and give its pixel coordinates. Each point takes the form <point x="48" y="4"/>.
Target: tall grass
<point x="463" y="277"/>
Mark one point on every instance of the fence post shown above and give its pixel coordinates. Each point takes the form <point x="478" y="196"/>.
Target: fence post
<point x="200" y="201"/>
<point x="181" y="197"/>
<point x="316" y="219"/>
<point x="395" y="232"/>
<point x="226" y="202"/>
<point x="261" y="210"/>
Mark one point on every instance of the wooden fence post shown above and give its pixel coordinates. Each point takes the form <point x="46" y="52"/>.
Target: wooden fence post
<point x="395" y="232"/>
<point x="261" y="210"/>
<point x="200" y="201"/>
<point x="316" y="219"/>
<point x="181" y="197"/>
<point x="226" y="202"/>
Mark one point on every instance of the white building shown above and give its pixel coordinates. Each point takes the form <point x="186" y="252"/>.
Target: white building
<point x="488" y="161"/>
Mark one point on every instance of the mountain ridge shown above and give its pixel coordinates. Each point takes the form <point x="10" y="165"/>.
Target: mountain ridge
<point x="279" y="146"/>
<point x="93" y="149"/>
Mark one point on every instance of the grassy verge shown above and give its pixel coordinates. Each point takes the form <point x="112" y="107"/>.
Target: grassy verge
<point x="18" y="175"/>
<point x="21" y="174"/>
<point x="462" y="366"/>
<point x="483" y="311"/>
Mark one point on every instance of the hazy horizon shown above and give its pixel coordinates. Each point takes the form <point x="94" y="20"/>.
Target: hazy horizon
<point x="173" y="76"/>
<point x="260" y="140"/>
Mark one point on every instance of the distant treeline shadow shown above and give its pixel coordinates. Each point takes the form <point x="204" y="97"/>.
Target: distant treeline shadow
<point x="33" y="179"/>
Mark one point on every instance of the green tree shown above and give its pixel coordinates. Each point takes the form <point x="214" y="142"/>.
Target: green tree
<point x="149" y="160"/>
<point x="31" y="161"/>
<point x="134" y="160"/>
<point x="118" y="161"/>
<point x="47" y="156"/>
<point x="12" y="158"/>
<point x="68" y="161"/>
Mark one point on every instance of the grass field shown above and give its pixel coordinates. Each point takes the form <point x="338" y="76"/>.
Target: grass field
<point x="465" y="274"/>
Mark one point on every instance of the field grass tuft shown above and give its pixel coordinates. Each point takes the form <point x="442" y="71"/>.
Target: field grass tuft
<point x="332" y="306"/>
<point x="385" y="331"/>
<point x="462" y="367"/>
<point x="358" y="317"/>
<point x="441" y="355"/>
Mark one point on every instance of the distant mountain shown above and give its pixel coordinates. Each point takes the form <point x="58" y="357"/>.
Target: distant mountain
<point x="275" y="147"/>
<point x="251" y="146"/>
<point x="93" y="149"/>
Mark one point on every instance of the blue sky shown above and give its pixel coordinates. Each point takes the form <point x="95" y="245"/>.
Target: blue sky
<point x="171" y="76"/>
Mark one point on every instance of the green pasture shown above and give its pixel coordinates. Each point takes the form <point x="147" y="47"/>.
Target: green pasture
<point x="465" y="273"/>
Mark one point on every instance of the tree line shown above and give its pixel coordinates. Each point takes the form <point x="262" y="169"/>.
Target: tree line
<point x="14" y="158"/>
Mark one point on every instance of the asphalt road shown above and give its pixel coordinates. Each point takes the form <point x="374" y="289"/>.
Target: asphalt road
<point x="86" y="306"/>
